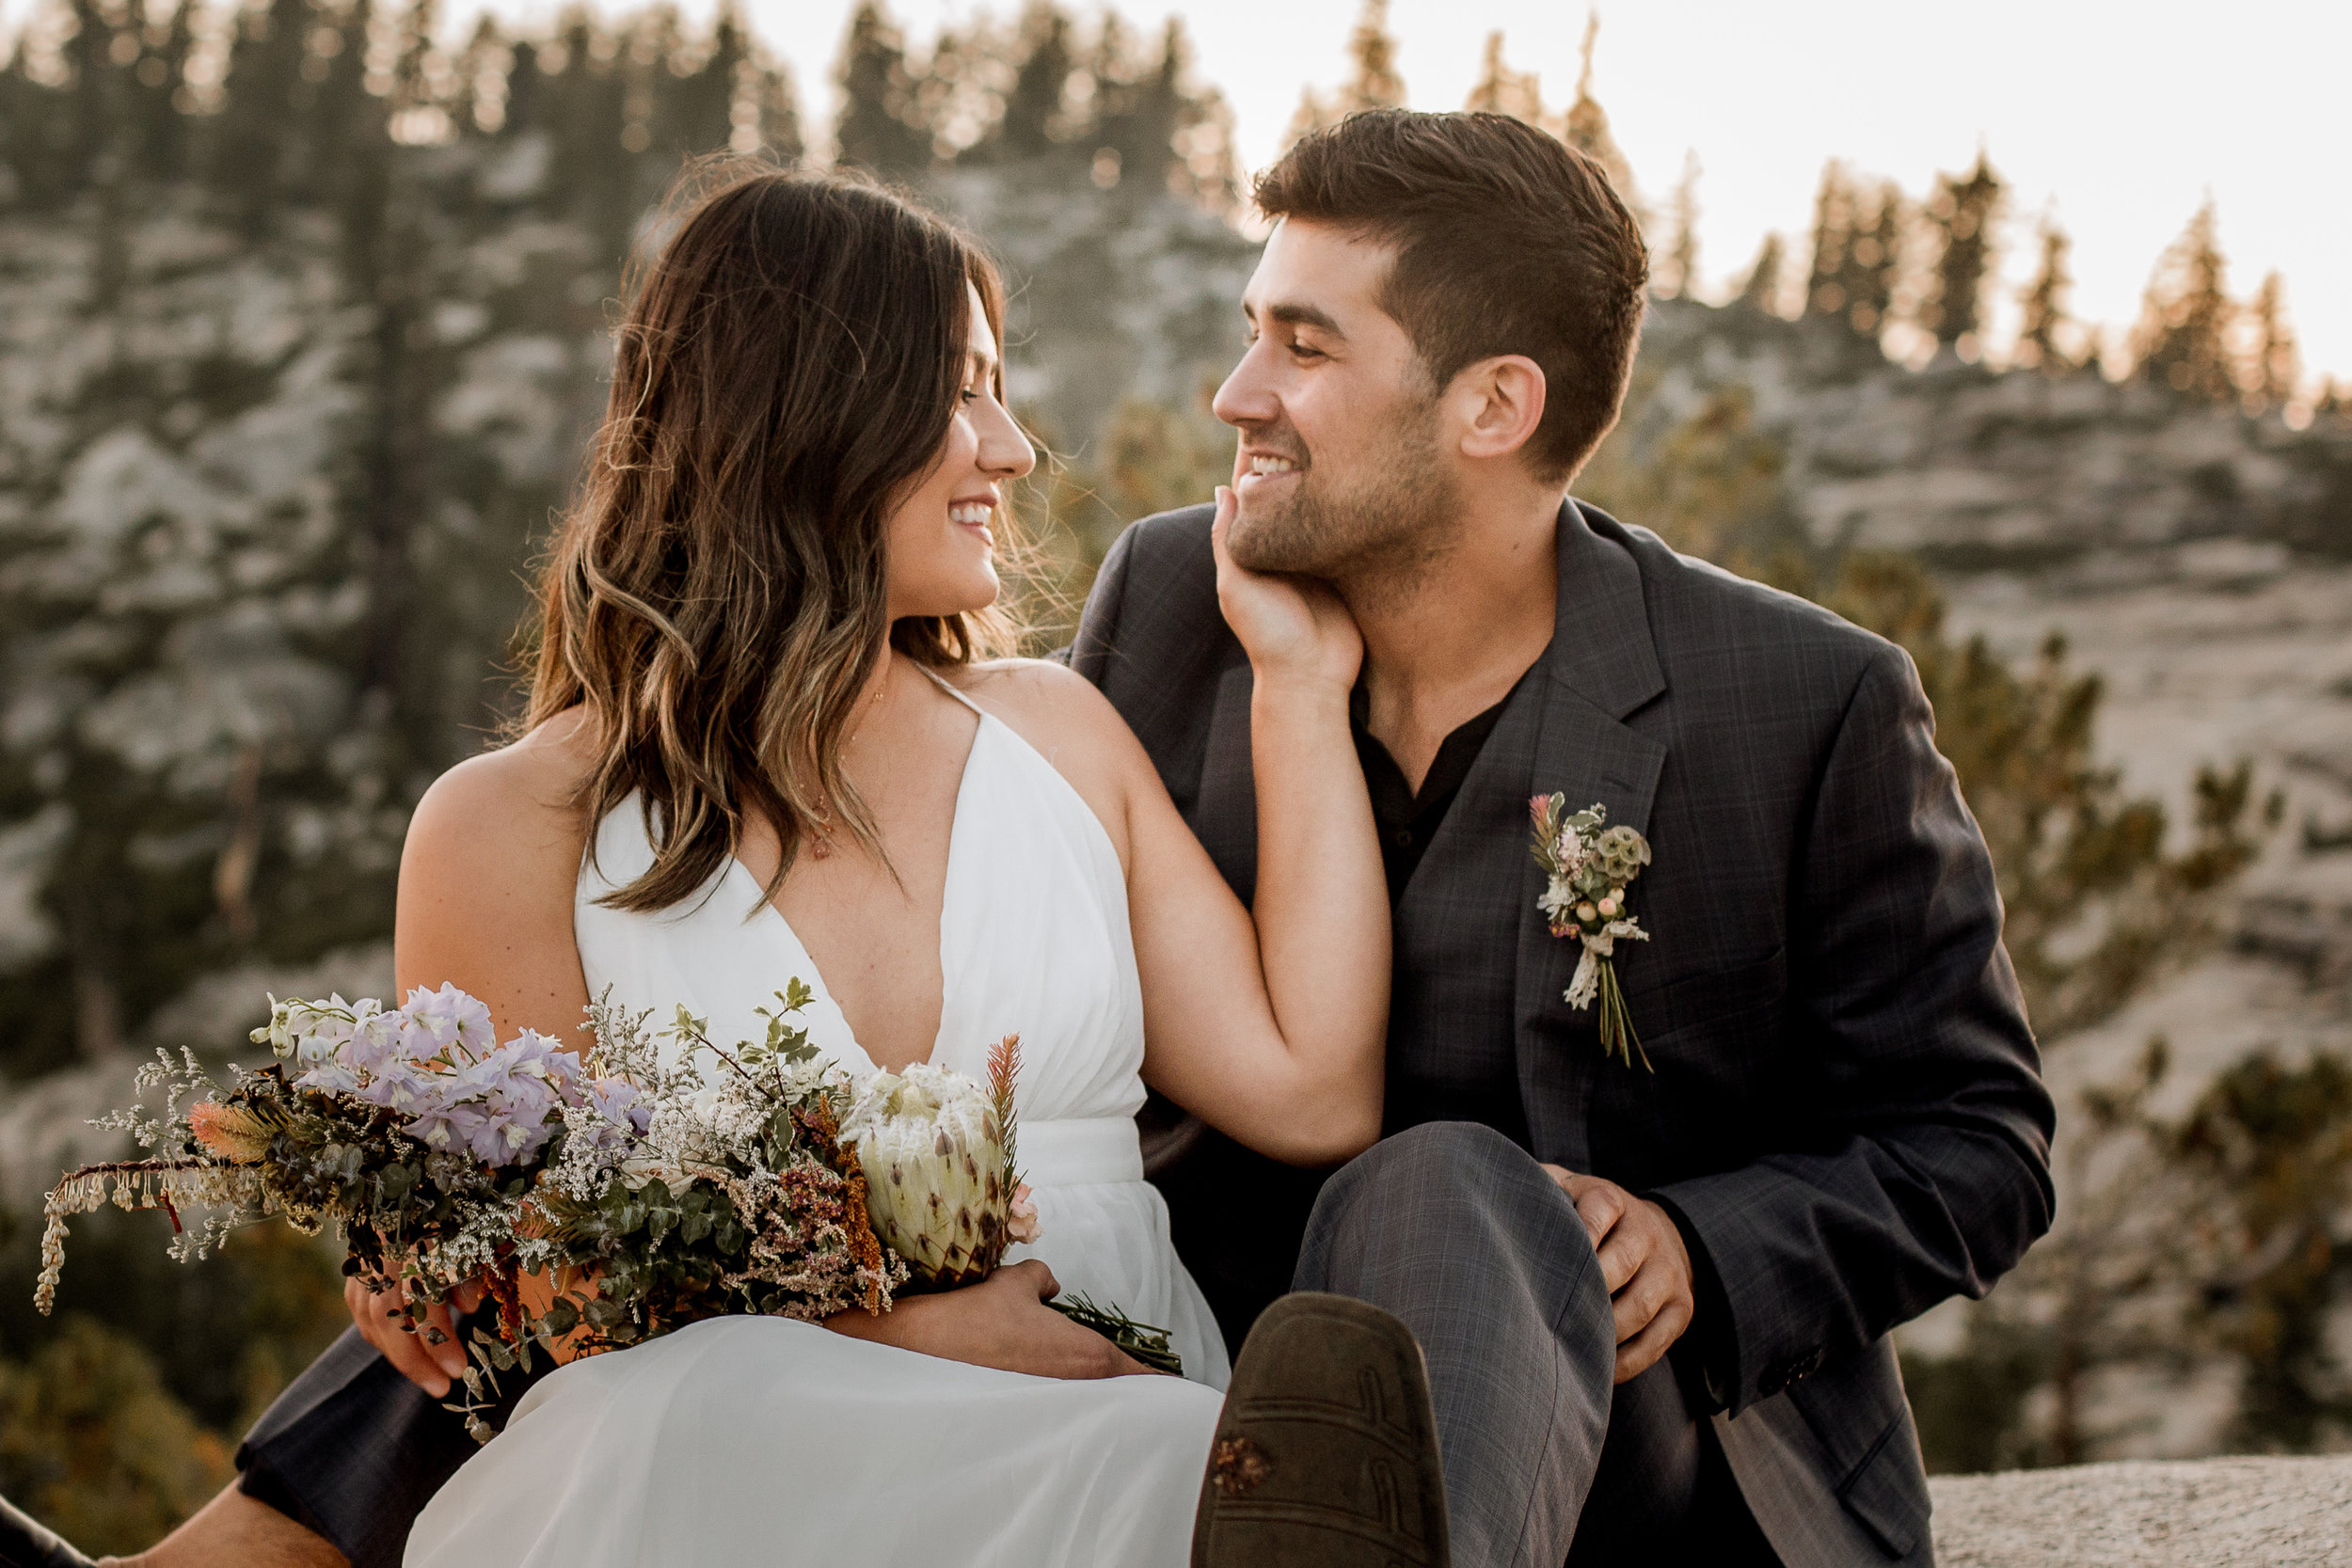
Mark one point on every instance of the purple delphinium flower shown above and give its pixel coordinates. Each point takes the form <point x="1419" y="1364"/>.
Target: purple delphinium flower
<point x="437" y="1022"/>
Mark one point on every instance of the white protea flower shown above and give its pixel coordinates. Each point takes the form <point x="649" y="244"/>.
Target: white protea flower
<point x="939" y="1184"/>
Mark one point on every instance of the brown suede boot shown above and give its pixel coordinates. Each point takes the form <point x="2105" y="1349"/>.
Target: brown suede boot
<point x="1326" y="1454"/>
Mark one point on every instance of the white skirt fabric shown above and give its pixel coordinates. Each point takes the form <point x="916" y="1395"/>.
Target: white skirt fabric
<point x="746" y="1441"/>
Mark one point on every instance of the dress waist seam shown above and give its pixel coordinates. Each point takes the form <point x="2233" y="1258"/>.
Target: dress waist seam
<point x="1079" y="1151"/>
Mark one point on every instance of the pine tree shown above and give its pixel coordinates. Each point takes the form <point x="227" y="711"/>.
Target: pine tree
<point x="158" y="112"/>
<point x="473" y="108"/>
<point x="1761" y="291"/>
<point x="416" y="98"/>
<point x="1500" y="91"/>
<point x="1375" y="83"/>
<point x="1135" y="110"/>
<point x="2276" y="373"/>
<point x="694" y="108"/>
<point x="2044" y="302"/>
<point x="1585" y="127"/>
<point x="1833" y="237"/>
<point x="256" y="139"/>
<point x="1874" y="260"/>
<point x="2182" y="337"/>
<point x="878" y="128"/>
<point x="1034" y="121"/>
<point x="1679" y="277"/>
<point x="1962" y="211"/>
<point x="526" y="106"/>
<point x="1313" y="114"/>
<point x="776" y="117"/>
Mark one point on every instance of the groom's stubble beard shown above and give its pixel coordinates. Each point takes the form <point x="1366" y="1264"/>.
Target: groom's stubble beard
<point x="1371" y="529"/>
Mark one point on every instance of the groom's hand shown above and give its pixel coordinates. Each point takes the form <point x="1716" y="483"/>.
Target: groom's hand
<point x="1643" y="1263"/>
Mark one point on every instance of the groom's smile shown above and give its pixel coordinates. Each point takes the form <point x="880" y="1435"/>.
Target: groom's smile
<point x="1336" y="466"/>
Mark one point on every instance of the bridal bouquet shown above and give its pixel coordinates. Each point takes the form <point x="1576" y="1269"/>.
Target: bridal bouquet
<point x="652" y="1180"/>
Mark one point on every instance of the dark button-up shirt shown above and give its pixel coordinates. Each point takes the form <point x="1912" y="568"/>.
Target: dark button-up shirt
<point x="1408" y="818"/>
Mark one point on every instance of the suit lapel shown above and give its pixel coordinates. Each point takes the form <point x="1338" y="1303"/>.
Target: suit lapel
<point x="1600" y="668"/>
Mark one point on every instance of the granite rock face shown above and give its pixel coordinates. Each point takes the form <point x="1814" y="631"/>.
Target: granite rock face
<point x="2251" y="1512"/>
<point x="1971" y="467"/>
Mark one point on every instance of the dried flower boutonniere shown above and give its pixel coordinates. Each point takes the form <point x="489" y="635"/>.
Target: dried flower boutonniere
<point x="1589" y="867"/>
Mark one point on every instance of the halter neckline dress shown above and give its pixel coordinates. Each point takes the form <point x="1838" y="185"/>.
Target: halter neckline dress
<point x="763" y="1440"/>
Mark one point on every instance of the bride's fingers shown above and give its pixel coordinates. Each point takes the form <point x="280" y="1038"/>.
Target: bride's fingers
<point x="378" y="1315"/>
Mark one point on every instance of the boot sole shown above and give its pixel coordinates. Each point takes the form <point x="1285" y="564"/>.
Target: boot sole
<point x="1326" y="1453"/>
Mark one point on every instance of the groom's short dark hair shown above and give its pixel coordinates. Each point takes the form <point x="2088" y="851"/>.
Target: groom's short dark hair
<point x="1508" y="242"/>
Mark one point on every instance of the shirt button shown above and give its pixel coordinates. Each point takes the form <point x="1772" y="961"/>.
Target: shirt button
<point x="1403" y="837"/>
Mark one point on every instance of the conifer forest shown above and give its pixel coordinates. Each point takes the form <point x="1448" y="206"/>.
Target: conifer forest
<point x="304" y="309"/>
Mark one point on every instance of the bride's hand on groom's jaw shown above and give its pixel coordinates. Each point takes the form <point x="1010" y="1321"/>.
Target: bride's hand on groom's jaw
<point x="1003" y="1322"/>
<point x="1644" y="1263"/>
<point x="1296" y="630"/>
<point x="428" y="1355"/>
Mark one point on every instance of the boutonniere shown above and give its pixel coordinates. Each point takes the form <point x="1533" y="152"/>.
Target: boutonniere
<point x="1589" y="867"/>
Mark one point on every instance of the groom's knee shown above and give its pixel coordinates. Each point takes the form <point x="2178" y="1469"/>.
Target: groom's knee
<point x="1434" y="1175"/>
<point x="1448" y="1198"/>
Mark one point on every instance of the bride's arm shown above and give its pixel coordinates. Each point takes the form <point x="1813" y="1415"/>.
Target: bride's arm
<point x="487" y="876"/>
<point x="1272" y="1031"/>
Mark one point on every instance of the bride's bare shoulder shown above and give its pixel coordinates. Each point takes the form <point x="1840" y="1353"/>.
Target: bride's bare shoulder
<point x="1048" y="704"/>
<point x="1071" y="724"/>
<point x="511" y="812"/>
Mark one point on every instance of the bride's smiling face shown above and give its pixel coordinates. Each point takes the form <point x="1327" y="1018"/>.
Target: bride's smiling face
<point x="940" y="543"/>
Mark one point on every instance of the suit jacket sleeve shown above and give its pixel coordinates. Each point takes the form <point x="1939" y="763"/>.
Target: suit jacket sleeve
<point x="1924" y="1170"/>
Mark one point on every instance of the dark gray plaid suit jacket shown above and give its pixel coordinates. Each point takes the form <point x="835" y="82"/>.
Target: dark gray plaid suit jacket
<point x="1847" y="1110"/>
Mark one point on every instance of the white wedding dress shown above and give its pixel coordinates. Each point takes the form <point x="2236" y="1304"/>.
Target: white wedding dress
<point x="762" y="1440"/>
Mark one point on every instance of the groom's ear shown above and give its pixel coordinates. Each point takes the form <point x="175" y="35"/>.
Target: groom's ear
<point x="1497" y="405"/>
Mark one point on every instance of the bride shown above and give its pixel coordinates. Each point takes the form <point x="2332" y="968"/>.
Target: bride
<point x="773" y="734"/>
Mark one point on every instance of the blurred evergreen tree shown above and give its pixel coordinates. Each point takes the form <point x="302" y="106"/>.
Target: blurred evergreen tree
<point x="1962" y="211"/>
<point x="477" y="106"/>
<point x="264" y="92"/>
<point x="695" y="104"/>
<point x="776" y="114"/>
<point x="2276" y="373"/>
<point x="2183" y="339"/>
<point x="1035" y="121"/>
<point x="160" y="128"/>
<point x="1584" y="125"/>
<point x="1500" y="91"/>
<point x="1873" y="260"/>
<point x="2045" y="301"/>
<point x="1761" y="291"/>
<point x="1373" y="82"/>
<point x="1136" y="109"/>
<point x="1833" y="237"/>
<point x="878" y="127"/>
<point x="1679" y="277"/>
<point x="2276" y="1141"/>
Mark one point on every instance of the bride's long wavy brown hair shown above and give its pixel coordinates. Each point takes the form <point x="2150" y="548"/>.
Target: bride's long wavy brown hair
<point x="788" y="365"/>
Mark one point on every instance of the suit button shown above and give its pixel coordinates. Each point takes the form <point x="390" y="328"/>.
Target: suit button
<point x="1805" y="1365"/>
<point x="1772" y="1380"/>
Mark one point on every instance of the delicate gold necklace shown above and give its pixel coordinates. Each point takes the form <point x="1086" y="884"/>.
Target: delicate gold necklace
<point x="820" y="820"/>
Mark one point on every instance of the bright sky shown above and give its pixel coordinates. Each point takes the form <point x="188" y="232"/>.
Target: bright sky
<point x="2119" y="115"/>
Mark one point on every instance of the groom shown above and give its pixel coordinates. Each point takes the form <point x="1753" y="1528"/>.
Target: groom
<point x="1654" y="1299"/>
